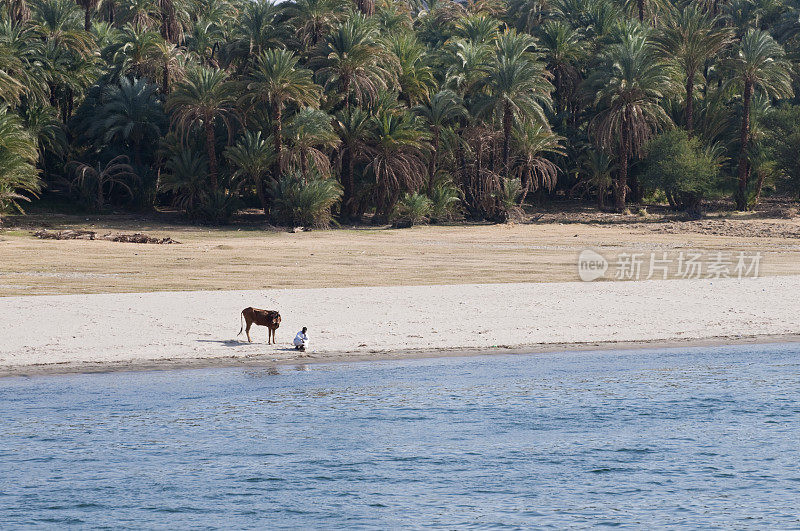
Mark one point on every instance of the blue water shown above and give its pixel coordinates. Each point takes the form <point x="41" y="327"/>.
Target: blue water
<point x="696" y="438"/>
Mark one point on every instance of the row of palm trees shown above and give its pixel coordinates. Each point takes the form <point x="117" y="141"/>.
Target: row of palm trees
<point x="475" y="104"/>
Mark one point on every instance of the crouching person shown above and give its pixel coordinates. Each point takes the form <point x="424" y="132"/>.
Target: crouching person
<point x="301" y="340"/>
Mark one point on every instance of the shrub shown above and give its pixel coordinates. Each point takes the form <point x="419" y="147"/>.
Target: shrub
<point x="304" y="203"/>
<point x="414" y="208"/>
<point x="445" y="199"/>
<point x="215" y="207"/>
<point x="185" y="177"/>
<point x="507" y="196"/>
<point x="96" y="184"/>
<point x="679" y="166"/>
<point x="782" y="127"/>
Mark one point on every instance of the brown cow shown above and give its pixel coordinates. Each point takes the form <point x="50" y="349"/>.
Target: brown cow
<point x="269" y="318"/>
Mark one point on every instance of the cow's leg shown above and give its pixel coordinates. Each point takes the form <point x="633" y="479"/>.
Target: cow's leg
<point x="247" y="331"/>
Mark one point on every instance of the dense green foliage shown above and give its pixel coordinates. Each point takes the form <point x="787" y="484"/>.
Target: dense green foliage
<point x="314" y="109"/>
<point x="782" y="136"/>
<point x="677" y="165"/>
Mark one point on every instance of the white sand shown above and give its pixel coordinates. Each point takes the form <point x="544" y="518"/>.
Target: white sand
<point x="114" y="328"/>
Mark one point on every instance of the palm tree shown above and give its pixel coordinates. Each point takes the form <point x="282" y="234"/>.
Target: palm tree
<point x="205" y="39"/>
<point x="50" y="135"/>
<point x="598" y="167"/>
<point x="11" y="88"/>
<point x="563" y="48"/>
<point x="532" y="144"/>
<point x="258" y="30"/>
<point x="277" y="80"/>
<point x="518" y="87"/>
<point x="352" y="62"/>
<point x="203" y="98"/>
<point x="172" y="63"/>
<point x="171" y="26"/>
<point x="469" y="64"/>
<point x="253" y="158"/>
<point x="443" y="109"/>
<point x="185" y="176"/>
<point x="479" y="29"/>
<point x="88" y="6"/>
<point x="759" y="63"/>
<point x="396" y="155"/>
<point x="313" y="19"/>
<point x="691" y="38"/>
<point x="629" y="83"/>
<point x="142" y="14"/>
<point x="22" y="68"/>
<point x="133" y="117"/>
<point x="59" y="23"/>
<point x="527" y="14"/>
<point x="367" y="7"/>
<point x="415" y="76"/>
<point x="643" y="8"/>
<point x="310" y="132"/>
<point x="352" y="125"/>
<point x="18" y="155"/>
<point x="116" y="173"/>
<point x="137" y="52"/>
<point x="68" y="53"/>
<point x="18" y="11"/>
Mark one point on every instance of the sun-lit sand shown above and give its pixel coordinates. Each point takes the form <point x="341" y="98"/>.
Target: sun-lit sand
<point x="117" y="331"/>
<point x="231" y="259"/>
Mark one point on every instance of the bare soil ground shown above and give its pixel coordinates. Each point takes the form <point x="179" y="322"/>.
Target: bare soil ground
<point x="253" y="255"/>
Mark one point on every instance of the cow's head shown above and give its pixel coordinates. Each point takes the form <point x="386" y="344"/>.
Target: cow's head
<point x="276" y="319"/>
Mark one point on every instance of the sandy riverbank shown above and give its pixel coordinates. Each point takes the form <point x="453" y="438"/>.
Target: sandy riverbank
<point x="235" y="258"/>
<point x="74" y="333"/>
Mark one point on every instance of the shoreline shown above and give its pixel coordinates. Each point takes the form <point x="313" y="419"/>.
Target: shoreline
<point x="157" y="330"/>
<point x="267" y="361"/>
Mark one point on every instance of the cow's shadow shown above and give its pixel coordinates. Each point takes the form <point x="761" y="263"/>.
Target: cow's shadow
<point x="226" y="342"/>
<point x="238" y="343"/>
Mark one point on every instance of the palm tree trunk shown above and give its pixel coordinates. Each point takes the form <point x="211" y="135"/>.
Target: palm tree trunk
<point x="759" y="186"/>
<point x="346" y="91"/>
<point x="19" y="12"/>
<point x="640" y="5"/>
<point x="99" y="193"/>
<point x="744" y="139"/>
<point x="367" y="7"/>
<point x="277" y="132"/>
<point x="432" y="162"/>
<point x="304" y="165"/>
<point x="507" y="122"/>
<point x="87" y="20"/>
<point x="621" y="184"/>
<point x="348" y="201"/>
<point x="211" y="149"/>
<point x="262" y="197"/>
<point x="165" y="79"/>
<point x="690" y="102"/>
<point x="559" y="92"/>
<point x="111" y="9"/>
<point x="525" y="181"/>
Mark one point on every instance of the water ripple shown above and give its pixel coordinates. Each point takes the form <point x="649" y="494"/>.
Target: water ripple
<point x="688" y="438"/>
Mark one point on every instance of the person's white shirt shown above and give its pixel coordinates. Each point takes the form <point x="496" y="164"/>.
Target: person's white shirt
<point x="300" y="339"/>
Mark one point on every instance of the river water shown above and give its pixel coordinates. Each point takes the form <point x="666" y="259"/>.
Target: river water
<point x="693" y="437"/>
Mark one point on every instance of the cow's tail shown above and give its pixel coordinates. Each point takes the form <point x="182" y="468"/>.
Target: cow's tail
<point x="241" y="320"/>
